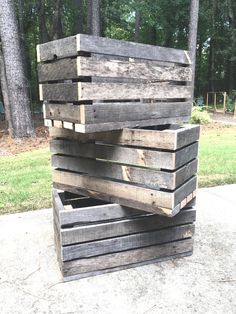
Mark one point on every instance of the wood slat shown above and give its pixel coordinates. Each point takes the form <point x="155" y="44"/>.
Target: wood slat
<point x="82" y="268"/>
<point x="147" y="177"/>
<point x="111" y="126"/>
<point x="126" y="155"/>
<point x="111" y="91"/>
<point x="113" y="112"/>
<point x="111" y="68"/>
<point x="171" y="139"/>
<point x="70" y="46"/>
<point x="100" y="247"/>
<point x="165" y="203"/>
<point x="80" y="234"/>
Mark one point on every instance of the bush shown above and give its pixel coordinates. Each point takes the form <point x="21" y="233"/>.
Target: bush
<point x="200" y="116"/>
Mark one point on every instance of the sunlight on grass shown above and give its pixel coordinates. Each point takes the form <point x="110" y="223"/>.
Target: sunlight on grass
<point x="25" y="181"/>
<point x="217" y="157"/>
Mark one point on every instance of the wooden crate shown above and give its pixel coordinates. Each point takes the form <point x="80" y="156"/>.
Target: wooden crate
<point x="94" y="237"/>
<point x="94" y="84"/>
<point x="148" y="169"/>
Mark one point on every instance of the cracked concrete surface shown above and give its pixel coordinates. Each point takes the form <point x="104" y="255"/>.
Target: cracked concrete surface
<point x="30" y="280"/>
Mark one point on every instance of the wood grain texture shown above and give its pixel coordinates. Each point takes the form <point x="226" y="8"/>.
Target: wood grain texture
<point x="100" y="247"/>
<point x="112" y="91"/>
<point x="93" y="213"/>
<point x="74" y="68"/>
<point x="114" y="112"/>
<point x="80" y="234"/>
<point x="126" y="155"/>
<point x="70" y="46"/>
<point x="72" y="270"/>
<point x="166" y="203"/>
<point x="166" y="139"/>
<point x="147" y="177"/>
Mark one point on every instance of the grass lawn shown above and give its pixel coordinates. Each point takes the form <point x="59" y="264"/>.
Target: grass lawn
<point x="217" y="157"/>
<point x="25" y="179"/>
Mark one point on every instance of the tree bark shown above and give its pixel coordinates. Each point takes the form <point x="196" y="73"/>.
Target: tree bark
<point x="4" y="89"/>
<point x="43" y="32"/>
<point x="232" y="61"/>
<point x="89" y="17"/>
<point x="96" y="21"/>
<point x="137" y="25"/>
<point x="57" y="30"/>
<point x="78" y="26"/>
<point x="192" y="39"/>
<point x="16" y="81"/>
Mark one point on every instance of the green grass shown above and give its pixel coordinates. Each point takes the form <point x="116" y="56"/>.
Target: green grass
<point x="217" y="157"/>
<point x="25" y="179"/>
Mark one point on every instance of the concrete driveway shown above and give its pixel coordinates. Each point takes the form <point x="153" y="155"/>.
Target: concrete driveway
<point x="30" y="280"/>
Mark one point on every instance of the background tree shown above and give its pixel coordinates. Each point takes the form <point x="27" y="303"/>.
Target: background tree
<point x="16" y="81"/>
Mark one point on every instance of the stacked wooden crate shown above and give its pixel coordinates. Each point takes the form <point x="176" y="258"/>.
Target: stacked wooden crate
<point x="115" y="111"/>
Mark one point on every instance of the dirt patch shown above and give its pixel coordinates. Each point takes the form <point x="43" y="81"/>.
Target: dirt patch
<point x="9" y="146"/>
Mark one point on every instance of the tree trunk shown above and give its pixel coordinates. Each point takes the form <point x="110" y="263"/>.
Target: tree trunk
<point x="192" y="39"/>
<point x="57" y="30"/>
<point x="43" y="32"/>
<point x="4" y="89"/>
<point x="95" y="22"/>
<point x="232" y="61"/>
<point x="137" y="25"/>
<point x="16" y="81"/>
<point x="89" y="17"/>
<point x="78" y="26"/>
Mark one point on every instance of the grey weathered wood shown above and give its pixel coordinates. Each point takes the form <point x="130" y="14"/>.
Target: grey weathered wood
<point x="111" y="126"/>
<point x="70" y="46"/>
<point x="166" y="139"/>
<point x="111" y="91"/>
<point x="113" y="112"/>
<point x="72" y="267"/>
<point x="81" y="234"/>
<point x="94" y="248"/>
<point x="111" y="68"/>
<point x="162" y="202"/>
<point x="83" y="213"/>
<point x="148" y="177"/>
<point x="126" y="155"/>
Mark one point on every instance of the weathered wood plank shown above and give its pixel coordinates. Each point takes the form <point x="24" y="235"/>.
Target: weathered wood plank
<point x="110" y="68"/>
<point x="165" y="139"/>
<point x="81" y="234"/>
<point x="147" y="177"/>
<point x="93" y="91"/>
<point x="126" y="155"/>
<point x="87" y="210"/>
<point x="155" y="201"/>
<point x="115" y="112"/>
<point x="70" y="46"/>
<point x="95" y="248"/>
<point x="119" y="112"/>
<point x="72" y="270"/>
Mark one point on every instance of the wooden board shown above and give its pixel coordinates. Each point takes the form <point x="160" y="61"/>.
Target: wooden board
<point x="114" y="236"/>
<point x="95" y="248"/>
<point x="113" y="112"/>
<point x="70" y="46"/>
<point x="86" y="211"/>
<point x="81" y="91"/>
<point x="111" y="126"/>
<point x="155" y="201"/>
<point x="170" y="160"/>
<point x="140" y="70"/>
<point x="148" y="177"/>
<point x="167" y="138"/>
